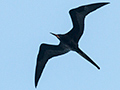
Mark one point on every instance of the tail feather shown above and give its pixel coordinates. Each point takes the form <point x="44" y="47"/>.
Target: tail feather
<point x="87" y="58"/>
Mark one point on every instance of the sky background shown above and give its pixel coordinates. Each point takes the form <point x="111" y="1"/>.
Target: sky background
<point x="25" y="24"/>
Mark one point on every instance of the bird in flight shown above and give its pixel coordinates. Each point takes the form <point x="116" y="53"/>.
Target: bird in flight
<point x="68" y="41"/>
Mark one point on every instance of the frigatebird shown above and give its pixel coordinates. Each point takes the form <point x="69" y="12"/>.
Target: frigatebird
<point x="68" y="41"/>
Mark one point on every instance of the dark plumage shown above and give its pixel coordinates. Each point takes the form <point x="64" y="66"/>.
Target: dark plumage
<point x="68" y="41"/>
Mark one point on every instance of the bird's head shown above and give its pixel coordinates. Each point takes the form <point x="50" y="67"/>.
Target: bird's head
<point x="57" y="35"/>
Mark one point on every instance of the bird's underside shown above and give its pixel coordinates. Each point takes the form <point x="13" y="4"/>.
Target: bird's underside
<point x="68" y="41"/>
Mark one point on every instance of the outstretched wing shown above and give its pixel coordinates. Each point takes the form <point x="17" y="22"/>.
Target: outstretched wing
<point x="46" y="52"/>
<point x="78" y="16"/>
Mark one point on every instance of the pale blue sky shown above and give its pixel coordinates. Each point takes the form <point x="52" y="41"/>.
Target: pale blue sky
<point x="25" y="24"/>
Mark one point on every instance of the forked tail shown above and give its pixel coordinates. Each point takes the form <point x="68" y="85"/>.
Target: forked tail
<point x="87" y="58"/>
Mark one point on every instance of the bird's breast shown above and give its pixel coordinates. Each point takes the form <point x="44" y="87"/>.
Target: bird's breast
<point x="70" y="44"/>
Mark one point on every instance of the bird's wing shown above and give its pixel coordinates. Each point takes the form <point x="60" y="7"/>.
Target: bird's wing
<point x="78" y="16"/>
<point x="46" y="52"/>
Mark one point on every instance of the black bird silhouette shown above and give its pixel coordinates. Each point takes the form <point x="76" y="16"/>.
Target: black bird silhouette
<point x="68" y="41"/>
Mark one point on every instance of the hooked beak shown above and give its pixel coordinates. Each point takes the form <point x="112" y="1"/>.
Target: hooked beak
<point x="54" y="35"/>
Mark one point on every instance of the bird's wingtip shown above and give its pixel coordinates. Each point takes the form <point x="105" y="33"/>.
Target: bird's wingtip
<point x="104" y="3"/>
<point x="35" y="85"/>
<point x="107" y="3"/>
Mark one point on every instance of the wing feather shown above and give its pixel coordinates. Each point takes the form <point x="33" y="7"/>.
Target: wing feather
<point x="78" y="16"/>
<point x="46" y="52"/>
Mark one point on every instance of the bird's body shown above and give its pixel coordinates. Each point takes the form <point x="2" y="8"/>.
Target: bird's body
<point x="68" y="41"/>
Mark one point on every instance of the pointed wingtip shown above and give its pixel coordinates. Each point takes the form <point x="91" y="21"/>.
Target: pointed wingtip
<point x="36" y="82"/>
<point x="107" y="3"/>
<point x="35" y="85"/>
<point x="104" y="3"/>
